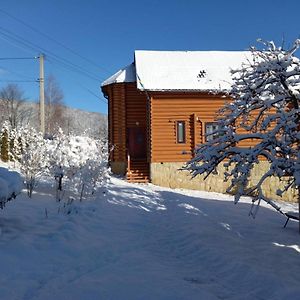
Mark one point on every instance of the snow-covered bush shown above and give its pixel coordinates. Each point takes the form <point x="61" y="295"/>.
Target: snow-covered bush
<point x="91" y="169"/>
<point x="266" y="108"/>
<point x="58" y="160"/>
<point x="78" y="161"/>
<point x="67" y="207"/>
<point x="5" y="142"/>
<point x="16" y="144"/>
<point x="13" y="141"/>
<point x="10" y="185"/>
<point x="34" y="160"/>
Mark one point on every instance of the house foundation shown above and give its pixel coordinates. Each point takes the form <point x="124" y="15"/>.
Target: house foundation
<point x="118" y="167"/>
<point x="170" y="175"/>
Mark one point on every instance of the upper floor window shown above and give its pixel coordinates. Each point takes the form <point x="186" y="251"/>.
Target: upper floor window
<point x="211" y="131"/>
<point x="180" y="132"/>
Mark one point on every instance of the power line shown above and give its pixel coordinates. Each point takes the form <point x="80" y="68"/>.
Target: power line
<point x="84" y="87"/>
<point x="19" y="75"/>
<point x="35" y="47"/>
<point x="72" y="67"/>
<point x="28" y="79"/>
<point x="18" y="80"/>
<point x="14" y="39"/>
<point x="53" y="58"/>
<point x="92" y="93"/>
<point x="53" y="40"/>
<point x="16" y="44"/>
<point x="8" y="58"/>
<point x="87" y="89"/>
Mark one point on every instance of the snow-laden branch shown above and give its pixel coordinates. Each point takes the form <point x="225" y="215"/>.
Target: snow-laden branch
<point x="265" y="110"/>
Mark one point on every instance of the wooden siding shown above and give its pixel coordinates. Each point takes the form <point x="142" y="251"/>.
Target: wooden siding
<point x="107" y="93"/>
<point x="158" y="113"/>
<point x="137" y="111"/>
<point x="117" y="121"/>
<point x="127" y="108"/>
<point x="251" y="142"/>
<point x="195" y="110"/>
<point x="136" y="107"/>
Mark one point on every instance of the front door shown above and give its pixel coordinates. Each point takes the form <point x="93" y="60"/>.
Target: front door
<point x="137" y="145"/>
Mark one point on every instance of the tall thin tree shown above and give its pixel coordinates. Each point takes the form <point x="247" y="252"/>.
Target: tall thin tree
<point x="12" y="104"/>
<point x="54" y="105"/>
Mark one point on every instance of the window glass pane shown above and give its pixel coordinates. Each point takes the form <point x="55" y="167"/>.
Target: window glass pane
<point x="180" y="132"/>
<point x="210" y="131"/>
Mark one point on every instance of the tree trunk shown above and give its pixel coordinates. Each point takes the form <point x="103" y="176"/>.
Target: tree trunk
<point x="81" y="194"/>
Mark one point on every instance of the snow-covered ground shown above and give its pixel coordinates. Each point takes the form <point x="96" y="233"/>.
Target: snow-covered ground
<point x="146" y="242"/>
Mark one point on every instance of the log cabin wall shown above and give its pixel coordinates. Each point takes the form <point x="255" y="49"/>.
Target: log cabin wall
<point x="168" y="156"/>
<point x="119" y="121"/>
<point x="137" y="128"/>
<point x="136" y="107"/>
<point x="117" y="127"/>
<point x="168" y="108"/>
<point x="127" y="108"/>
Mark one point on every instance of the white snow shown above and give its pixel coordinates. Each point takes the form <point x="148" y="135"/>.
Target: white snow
<point x="182" y="70"/>
<point x="146" y="242"/>
<point x="127" y="74"/>
<point x="187" y="70"/>
<point x="10" y="184"/>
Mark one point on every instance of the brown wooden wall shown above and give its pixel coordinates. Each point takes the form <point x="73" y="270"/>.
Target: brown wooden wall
<point x="195" y="110"/>
<point x="136" y="107"/>
<point x="251" y="118"/>
<point x="127" y="108"/>
<point x="116" y="121"/>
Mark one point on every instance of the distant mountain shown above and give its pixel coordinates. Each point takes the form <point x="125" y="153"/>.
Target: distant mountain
<point x="74" y="121"/>
<point x="80" y="121"/>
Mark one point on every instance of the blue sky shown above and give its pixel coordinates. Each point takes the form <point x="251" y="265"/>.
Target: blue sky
<point x="105" y="33"/>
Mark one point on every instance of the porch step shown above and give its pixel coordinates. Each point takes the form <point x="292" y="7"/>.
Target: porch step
<point x="138" y="171"/>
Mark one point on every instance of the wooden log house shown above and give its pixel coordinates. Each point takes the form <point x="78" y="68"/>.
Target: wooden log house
<point x="161" y="107"/>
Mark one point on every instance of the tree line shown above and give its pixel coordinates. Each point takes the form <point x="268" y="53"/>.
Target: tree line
<point x="19" y="112"/>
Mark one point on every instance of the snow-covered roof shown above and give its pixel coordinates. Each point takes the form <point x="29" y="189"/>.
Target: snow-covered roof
<point x="126" y="74"/>
<point x="182" y="70"/>
<point x="187" y="70"/>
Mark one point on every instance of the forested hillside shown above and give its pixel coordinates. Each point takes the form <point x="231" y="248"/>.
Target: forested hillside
<point x="74" y="121"/>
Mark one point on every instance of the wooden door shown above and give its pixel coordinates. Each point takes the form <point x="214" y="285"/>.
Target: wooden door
<point x="137" y="145"/>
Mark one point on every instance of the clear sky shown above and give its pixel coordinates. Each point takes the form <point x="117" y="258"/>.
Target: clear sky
<point x="99" y="36"/>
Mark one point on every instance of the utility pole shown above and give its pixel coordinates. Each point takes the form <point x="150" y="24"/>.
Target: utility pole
<point x="42" y="94"/>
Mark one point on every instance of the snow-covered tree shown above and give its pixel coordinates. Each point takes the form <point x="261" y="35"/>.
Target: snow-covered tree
<point x="5" y="141"/>
<point x="11" y="105"/>
<point x="16" y="144"/>
<point x="55" y="109"/>
<point x="33" y="161"/>
<point x="265" y="108"/>
<point x="92" y="170"/>
<point x="58" y="155"/>
<point x="78" y="163"/>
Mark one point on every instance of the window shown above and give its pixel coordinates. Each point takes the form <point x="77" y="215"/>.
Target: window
<point x="211" y="131"/>
<point x="180" y="132"/>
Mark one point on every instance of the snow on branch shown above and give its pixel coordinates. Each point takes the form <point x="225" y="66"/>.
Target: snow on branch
<point x="77" y="163"/>
<point x="264" y="109"/>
